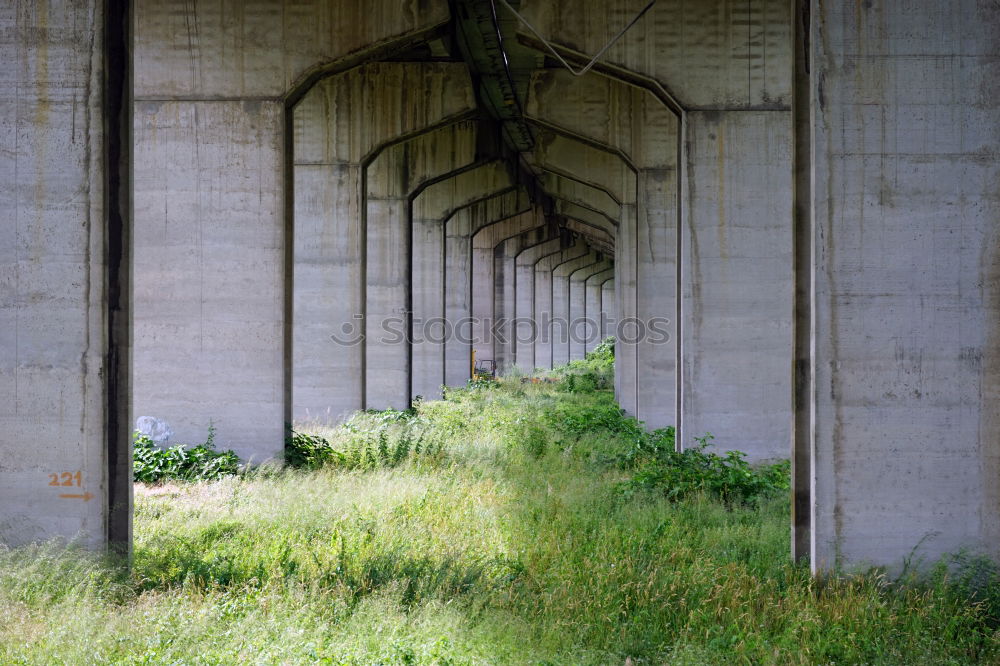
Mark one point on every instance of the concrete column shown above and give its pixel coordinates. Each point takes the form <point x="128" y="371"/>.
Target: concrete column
<point x="64" y="266"/>
<point x="737" y="282"/>
<point x="484" y="278"/>
<point x="392" y="178"/>
<point x="904" y="131"/>
<point x="548" y="328"/>
<point x="508" y="290"/>
<point x="211" y="327"/>
<point x="609" y="313"/>
<point x="336" y="138"/>
<point x="561" y="308"/>
<point x="592" y="308"/>
<point x="627" y="331"/>
<point x="526" y="328"/>
<point x="430" y="211"/>
<point x="581" y="331"/>
<point x="461" y="281"/>
<point x="656" y="297"/>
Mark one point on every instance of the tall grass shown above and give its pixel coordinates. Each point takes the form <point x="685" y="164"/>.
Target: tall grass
<point x="512" y="543"/>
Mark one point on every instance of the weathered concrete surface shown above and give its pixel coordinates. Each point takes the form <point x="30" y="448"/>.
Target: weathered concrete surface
<point x="208" y="251"/>
<point x="737" y="281"/>
<point x="54" y="341"/>
<point x="211" y="82"/>
<point x="906" y="300"/>
<point x="339" y="125"/>
<point x="231" y="49"/>
<point x="710" y="53"/>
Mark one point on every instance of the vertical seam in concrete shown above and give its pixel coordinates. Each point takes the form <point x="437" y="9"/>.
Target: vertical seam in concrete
<point x="116" y="104"/>
<point x="802" y="240"/>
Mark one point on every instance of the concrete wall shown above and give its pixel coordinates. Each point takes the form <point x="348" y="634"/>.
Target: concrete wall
<point x="903" y="226"/>
<point x="58" y="400"/>
<point x="707" y="54"/>
<point x="737" y="281"/>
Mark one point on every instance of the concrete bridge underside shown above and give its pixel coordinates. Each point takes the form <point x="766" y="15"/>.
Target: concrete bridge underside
<point x="252" y="215"/>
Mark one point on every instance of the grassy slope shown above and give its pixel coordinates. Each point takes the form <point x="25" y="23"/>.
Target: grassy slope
<point x="488" y="551"/>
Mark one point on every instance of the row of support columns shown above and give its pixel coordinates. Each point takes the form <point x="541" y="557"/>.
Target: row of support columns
<point x="277" y="197"/>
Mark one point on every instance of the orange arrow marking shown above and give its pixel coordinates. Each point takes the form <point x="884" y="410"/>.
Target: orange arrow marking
<point x="86" y="497"/>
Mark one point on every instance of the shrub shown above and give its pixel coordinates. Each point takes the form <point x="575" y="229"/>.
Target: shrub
<point x="679" y="474"/>
<point x="152" y="464"/>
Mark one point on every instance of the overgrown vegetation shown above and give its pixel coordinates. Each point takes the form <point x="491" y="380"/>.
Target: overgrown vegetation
<point x="513" y="523"/>
<point x="152" y="464"/>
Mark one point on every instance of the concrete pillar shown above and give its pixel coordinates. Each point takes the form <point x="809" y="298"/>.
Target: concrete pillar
<point x="581" y="330"/>
<point x="340" y="126"/>
<point x="643" y="132"/>
<point x="460" y="279"/>
<point x="64" y="269"/>
<point x="526" y="326"/>
<point x="391" y="179"/>
<point x="592" y="308"/>
<point x="507" y="287"/>
<point x="609" y="313"/>
<point x="548" y="328"/>
<point x="212" y="322"/>
<point x="484" y="278"/>
<point x="430" y="211"/>
<point x="562" y="314"/>
<point x="737" y="281"/>
<point x="903" y="126"/>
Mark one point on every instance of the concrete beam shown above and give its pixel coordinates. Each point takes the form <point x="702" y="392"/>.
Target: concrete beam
<point x="268" y="50"/>
<point x="609" y="313"/>
<point x="686" y="49"/>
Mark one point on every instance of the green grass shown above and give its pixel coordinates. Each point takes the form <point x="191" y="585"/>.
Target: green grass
<point x="523" y="532"/>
